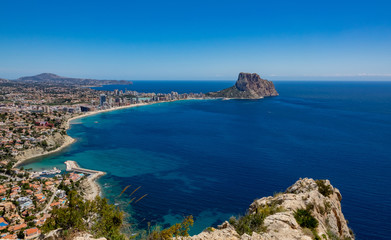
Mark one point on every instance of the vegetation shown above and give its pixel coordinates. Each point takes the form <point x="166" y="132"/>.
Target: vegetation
<point x="254" y="222"/>
<point x="177" y="230"/>
<point x="97" y="217"/>
<point x="324" y="189"/>
<point x="305" y="219"/>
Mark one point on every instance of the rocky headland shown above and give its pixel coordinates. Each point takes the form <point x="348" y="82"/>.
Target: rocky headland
<point x="248" y="86"/>
<point x="307" y="210"/>
<point x="55" y="142"/>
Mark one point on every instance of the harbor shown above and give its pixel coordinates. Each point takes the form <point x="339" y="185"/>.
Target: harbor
<point x="92" y="188"/>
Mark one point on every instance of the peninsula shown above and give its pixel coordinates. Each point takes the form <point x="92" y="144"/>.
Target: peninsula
<point x="248" y="86"/>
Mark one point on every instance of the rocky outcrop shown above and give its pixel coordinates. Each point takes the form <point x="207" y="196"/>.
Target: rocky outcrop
<point x="319" y="198"/>
<point x="248" y="86"/>
<point x="55" y="142"/>
<point x="58" y="234"/>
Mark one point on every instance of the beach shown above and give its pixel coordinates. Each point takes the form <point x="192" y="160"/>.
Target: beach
<point x="91" y="188"/>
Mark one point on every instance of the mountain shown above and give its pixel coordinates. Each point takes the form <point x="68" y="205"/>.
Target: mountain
<point x="307" y="210"/>
<point x="2" y="80"/>
<point x="248" y="86"/>
<point x="51" y="78"/>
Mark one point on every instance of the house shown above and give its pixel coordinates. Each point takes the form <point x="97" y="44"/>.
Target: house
<point x="3" y="223"/>
<point x="7" y="206"/>
<point x="61" y="193"/>
<point x="9" y="236"/>
<point x="15" y="228"/>
<point x="31" y="233"/>
<point x="40" y="197"/>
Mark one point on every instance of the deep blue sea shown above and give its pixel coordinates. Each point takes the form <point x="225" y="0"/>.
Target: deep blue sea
<point x="212" y="158"/>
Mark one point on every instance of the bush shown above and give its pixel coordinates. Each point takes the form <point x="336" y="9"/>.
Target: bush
<point x="305" y="219"/>
<point x="106" y="219"/>
<point x="254" y="222"/>
<point x="324" y="189"/>
<point x="177" y="230"/>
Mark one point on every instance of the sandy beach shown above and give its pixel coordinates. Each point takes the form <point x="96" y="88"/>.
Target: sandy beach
<point x="90" y="187"/>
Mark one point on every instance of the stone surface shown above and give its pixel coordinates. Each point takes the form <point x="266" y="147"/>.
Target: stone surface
<point x="248" y="86"/>
<point x="283" y="225"/>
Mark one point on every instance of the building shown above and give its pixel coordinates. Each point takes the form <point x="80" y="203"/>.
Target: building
<point x="102" y="100"/>
<point x="31" y="233"/>
<point x="3" y="223"/>
<point x="61" y="193"/>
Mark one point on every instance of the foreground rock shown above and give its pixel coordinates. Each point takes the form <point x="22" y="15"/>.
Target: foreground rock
<point x="59" y="235"/>
<point x="248" y="86"/>
<point x="322" y="200"/>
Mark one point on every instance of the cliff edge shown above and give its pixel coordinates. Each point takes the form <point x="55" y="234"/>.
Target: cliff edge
<point x="248" y="86"/>
<point x="307" y="210"/>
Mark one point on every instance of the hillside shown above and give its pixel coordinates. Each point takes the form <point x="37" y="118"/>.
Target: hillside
<point x="307" y="210"/>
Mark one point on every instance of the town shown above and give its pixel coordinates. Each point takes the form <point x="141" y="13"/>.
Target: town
<point x="34" y="118"/>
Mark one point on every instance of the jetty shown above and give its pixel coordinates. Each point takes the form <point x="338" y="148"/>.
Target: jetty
<point x="72" y="166"/>
<point x="93" y="188"/>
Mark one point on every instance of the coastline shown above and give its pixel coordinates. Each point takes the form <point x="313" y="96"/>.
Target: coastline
<point x="68" y="139"/>
<point x="92" y="187"/>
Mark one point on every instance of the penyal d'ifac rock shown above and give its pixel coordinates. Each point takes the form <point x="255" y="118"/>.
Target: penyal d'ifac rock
<point x="248" y="86"/>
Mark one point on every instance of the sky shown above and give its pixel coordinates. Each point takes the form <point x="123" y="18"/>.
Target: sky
<point x="196" y="40"/>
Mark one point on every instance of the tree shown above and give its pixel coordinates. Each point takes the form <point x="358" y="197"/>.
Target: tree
<point x="106" y="219"/>
<point x="20" y="235"/>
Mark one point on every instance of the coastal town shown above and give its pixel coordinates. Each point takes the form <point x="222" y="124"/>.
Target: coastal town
<point x="34" y="117"/>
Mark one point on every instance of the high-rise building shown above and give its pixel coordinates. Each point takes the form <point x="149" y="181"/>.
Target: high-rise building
<point x="102" y="99"/>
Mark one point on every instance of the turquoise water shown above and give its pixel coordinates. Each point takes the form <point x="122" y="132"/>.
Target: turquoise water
<point x="212" y="158"/>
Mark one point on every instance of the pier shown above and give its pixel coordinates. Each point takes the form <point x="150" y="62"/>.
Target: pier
<point x="72" y="166"/>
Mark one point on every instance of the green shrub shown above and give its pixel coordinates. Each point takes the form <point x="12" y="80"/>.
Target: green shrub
<point x="305" y="219"/>
<point x="177" y="230"/>
<point x="254" y="222"/>
<point x="106" y="219"/>
<point x="324" y="189"/>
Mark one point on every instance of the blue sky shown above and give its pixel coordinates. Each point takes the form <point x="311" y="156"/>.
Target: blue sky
<point x="180" y="40"/>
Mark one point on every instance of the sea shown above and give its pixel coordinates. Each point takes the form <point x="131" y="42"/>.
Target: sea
<point x="212" y="158"/>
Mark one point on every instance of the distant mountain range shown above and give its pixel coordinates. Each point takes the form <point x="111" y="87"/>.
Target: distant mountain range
<point x="51" y="78"/>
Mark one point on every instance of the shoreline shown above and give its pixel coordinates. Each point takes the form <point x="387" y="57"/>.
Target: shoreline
<point x="69" y="140"/>
<point x="91" y="183"/>
<point x="90" y="186"/>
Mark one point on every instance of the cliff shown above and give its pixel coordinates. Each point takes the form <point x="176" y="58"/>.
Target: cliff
<point x="307" y="210"/>
<point x="56" y="142"/>
<point x="248" y="86"/>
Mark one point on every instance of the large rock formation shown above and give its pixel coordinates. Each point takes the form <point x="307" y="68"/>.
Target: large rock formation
<point x="248" y="86"/>
<point x="318" y="198"/>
